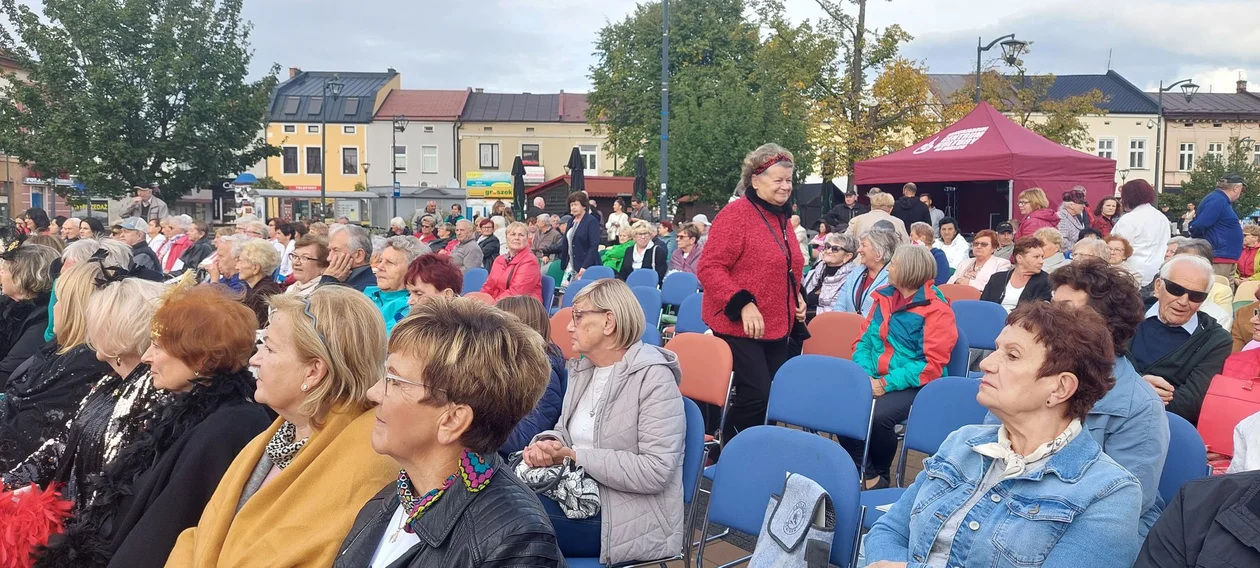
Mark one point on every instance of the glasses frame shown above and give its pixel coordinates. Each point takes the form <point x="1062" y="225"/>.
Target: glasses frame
<point x="579" y="314"/>
<point x="294" y="257"/>
<point x="391" y="377"/>
<point x="1188" y="293"/>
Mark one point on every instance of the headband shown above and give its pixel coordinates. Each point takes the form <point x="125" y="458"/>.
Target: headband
<point x="109" y="274"/>
<point x="782" y="157"/>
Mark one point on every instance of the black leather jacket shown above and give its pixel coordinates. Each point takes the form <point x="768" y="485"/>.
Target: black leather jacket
<point x="503" y="525"/>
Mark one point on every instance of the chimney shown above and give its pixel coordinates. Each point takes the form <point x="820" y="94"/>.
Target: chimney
<point x="1242" y="85"/>
<point x="479" y="90"/>
<point x="391" y="71"/>
<point x="293" y="72"/>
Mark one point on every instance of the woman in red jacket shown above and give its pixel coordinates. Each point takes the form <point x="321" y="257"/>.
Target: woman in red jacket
<point x="515" y="273"/>
<point x="1035" y="207"/>
<point x="751" y="273"/>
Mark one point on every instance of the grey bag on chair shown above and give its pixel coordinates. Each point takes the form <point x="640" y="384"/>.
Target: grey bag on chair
<point x="798" y="528"/>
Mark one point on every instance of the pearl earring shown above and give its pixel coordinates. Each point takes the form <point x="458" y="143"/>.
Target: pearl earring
<point x="304" y="387"/>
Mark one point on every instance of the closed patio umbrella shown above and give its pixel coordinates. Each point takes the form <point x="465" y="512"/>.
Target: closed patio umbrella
<point x="640" y="179"/>
<point x="577" y="173"/>
<point x="518" y="188"/>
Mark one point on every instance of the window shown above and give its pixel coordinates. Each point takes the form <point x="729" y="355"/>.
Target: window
<point x="312" y="129"/>
<point x="487" y="129"/>
<point x="400" y="158"/>
<point x="291" y="105"/>
<point x="1216" y="149"/>
<point x="529" y="154"/>
<point x="589" y="154"/>
<point x="316" y="106"/>
<point x="529" y="129"/>
<point x="429" y="159"/>
<point x="350" y="161"/>
<point x="489" y="156"/>
<point x="1255" y="154"/>
<point x="1185" y="157"/>
<point x="1137" y="153"/>
<point x="352" y="106"/>
<point x="428" y="129"/>
<point x="1107" y="148"/>
<point x="289" y="157"/>
<point x="314" y="160"/>
<point x="347" y="130"/>
<point x="290" y="128"/>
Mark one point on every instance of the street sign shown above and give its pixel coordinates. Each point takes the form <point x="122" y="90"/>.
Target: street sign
<point x="397" y="189"/>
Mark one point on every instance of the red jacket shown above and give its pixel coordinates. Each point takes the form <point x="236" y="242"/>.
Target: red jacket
<point x="519" y="277"/>
<point x="176" y="248"/>
<point x="1038" y="219"/>
<point x="747" y="255"/>
<point x="1102" y="224"/>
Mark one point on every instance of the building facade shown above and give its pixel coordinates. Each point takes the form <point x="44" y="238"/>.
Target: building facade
<point x="415" y="139"/>
<point x="1205" y="125"/>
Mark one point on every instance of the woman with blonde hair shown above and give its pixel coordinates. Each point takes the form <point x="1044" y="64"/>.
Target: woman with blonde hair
<point x="1037" y="214"/>
<point x="1051" y="247"/>
<point x="320" y="355"/>
<point x="256" y="261"/>
<point x="517" y="272"/>
<point x="644" y="253"/>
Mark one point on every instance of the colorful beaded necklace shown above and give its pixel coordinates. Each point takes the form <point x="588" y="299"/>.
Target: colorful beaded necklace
<point x="473" y="470"/>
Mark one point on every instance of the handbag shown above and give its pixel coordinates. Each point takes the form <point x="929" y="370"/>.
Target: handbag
<point x="567" y="484"/>
<point x="798" y="528"/>
<point x="1228" y="401"/>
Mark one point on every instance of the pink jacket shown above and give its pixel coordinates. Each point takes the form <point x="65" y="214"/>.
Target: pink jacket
<point x="519" y="277"/>
<point x="1038" y="219"/>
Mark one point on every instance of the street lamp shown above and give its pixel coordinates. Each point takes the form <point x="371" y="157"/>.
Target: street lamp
<point x="1188" y="89"/>
<point x="400" y="125"/>
<point x="1011" y="48"/>
<point x="334" y="88"/>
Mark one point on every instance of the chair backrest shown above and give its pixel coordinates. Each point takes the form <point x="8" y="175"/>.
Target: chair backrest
<point x="834" y="333"/>
<point x="548" y="292"/>
<point x="690" y="317"/>
<point x="706" y="365"/>
<point x="958" y="356"/>
<point x="981" y="321"/>
<point x="822" y="393"/>
<point x="560" y="332"/>
<point x="482" y="297"/>
<point x="474" y="279"/>
<point x="643" y="277"/>
<point x="1186" y="459"/>
<point x="1246" y="291"/>
<point x="942" y="406"/>
<point x="597" y="272"/>
<point x="650" y="300"/>
<point x="677" y="287"/>
<point x="693" y="449"/>
<point x="955" y="292"/>
<point x="571" y="292"/>
<point x="651" y="335"/>
<point x="755" y="465"/>
<point x="1220" y="280"/>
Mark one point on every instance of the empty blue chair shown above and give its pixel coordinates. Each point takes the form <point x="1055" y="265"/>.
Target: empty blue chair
<point x="981" y="321"/>
<point x="651" y="336"/>
<point x="571" y="292"/>
<point x="548" y="292"/>
<point x="650" y="299"/>
<point x="941" y="406"/>
<point x="474" y="279"/>
<point x="643" y="277"/>
<point x="754" y="466"/>
<point x="824" y="394"/>
<point x="690" y="319"/>
<point x="1187" y="457"/>
<point x="957" y="366"/>
<point x="677" y="287"/>
<point x="597" y="272"/>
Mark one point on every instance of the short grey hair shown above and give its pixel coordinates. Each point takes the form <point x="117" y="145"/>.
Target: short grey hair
<point x="544" y="218"/>
<point x="463" y="222"/>
<point x="181" y="222"/>
<point x="397" y="222"/>
<point x="378" y="244"/>
<point x="1177" y="240"/>
<point x="915" y="267"/>
<point x="1198" y="262"/>
<point x="1096" y="247"/>
<point x="29" y="266"/>
<point x="1200" y="247"/>
<point x="884" y="243"/>
<point x="846" y="241"/>
<point x="925" y="229"/>
<point x="257" y="251"/>
<point x="1049" y="235"/>
<point x="408" y="245"/>
<point x="79" y="251"/>
<point x="257" y="226"/>
<point x="359" y="237"/>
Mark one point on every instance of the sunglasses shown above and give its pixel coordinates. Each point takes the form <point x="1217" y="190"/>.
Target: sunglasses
<point x="1177" y="290"/>
<point x="835" y="248"/>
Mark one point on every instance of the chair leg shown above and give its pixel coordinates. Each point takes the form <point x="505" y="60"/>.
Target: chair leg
<point x="857" y="538"/>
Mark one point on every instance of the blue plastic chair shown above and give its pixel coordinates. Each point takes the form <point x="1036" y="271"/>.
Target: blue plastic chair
<point x="571" y="292"/>
<point x="677" y="287"/>
<point x="651" y="336"/>
<point x="754" y="466"/>
<point x="957" y="366"/>
<point x="643" y="277"/>
<point x="474" y="279"/>
<point x="650" y="300"/>
<point x="548" y="292"/>
<point x="824" y="394"/>
<point x="690" y="319"/>
<point x="981" y="321"/>
<point x="1187" y="457"/>
<point x="941" y="406"/>
<point x="597" y="272"/>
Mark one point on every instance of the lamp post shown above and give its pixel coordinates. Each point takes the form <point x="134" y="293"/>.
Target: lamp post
<point x="333" y="87"/>
<point x="664" y="196"/>
<point x="1188" y="89"/>
<point x="400" y="125"/>
<point x="1011" y="48"/>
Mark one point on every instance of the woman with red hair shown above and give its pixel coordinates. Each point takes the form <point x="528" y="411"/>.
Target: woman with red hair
<point x="432" y="275"/>
<point x="1144" y="227"/>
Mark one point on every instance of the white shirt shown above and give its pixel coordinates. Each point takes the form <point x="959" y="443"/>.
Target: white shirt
<point x="640" y="255"/>
<point x="155" y="243"/>
<point x="387" y="552"/>
<point x="615" y="222"/>
<point x="286" y="264"/>
<point x="1012" y="297"/>
<point x="955" y="253"/>
<point x="1246" y="445"/>
<point x="582" y="425"/>
<point x="1190" y="326"/>
<point x="1147" y="230"/>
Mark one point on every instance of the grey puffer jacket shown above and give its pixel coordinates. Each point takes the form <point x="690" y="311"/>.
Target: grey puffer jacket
<point x="637" y="460"/>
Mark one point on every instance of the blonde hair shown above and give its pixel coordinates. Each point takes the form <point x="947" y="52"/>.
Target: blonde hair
<point x="923" y="230"/>
<point x="73" y="289"/>
<point x="347" y="334"/>
<point x="914" y="267"/>
<point x="260" y="252"/>
<point x="642" y="227"/>
<point x="882" y="201"/>
<point x="757" y="158"/>
<point x="1036" y="198"/>
<point x="517" y="226"/>
<point x="1253" y="230"/>
<point x="1049" y="236"/>
<point x="118" y="317"/>
<point x="615" y="296"/>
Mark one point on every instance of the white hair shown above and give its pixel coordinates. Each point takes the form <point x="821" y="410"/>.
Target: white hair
<point x="378" y="244"/>
<point x="79" y="251"/>
<point x="179" y="222"/>
<point x="1096" y="247"/>
<point x="544" y="218"/>
<point x="359" y="237"/>
<point x="408" y="245"/>
<point x="397" y="222"/>
<point x="1194" y="261"/>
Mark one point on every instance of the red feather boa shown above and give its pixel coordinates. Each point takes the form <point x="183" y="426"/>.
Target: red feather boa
<point x="27" y="519"/>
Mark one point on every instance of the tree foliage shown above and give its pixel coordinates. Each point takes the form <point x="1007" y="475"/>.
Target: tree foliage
<point x="130" y="93"/>
<point x="1209" y="170"/>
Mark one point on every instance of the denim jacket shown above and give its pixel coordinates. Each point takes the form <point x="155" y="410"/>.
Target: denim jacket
<point x="1130" y="425"/>
<point x="849" y="301"/>
<point x="1079" y="510"/>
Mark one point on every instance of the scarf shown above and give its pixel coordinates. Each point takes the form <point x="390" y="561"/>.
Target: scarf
<point x="301" y="289"/>
<point x="473" y="470"/>
<point x="283" y="448"/>
<point x="1015" y="464"/>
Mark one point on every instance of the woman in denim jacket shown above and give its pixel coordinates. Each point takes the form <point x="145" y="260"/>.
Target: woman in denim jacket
<point x="1032" y="491"/>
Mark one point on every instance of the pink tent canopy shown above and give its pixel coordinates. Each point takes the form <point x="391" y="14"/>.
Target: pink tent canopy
<point x="986" y="145"/>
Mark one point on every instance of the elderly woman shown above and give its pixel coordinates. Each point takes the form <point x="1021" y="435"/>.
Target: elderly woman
<point x="426" y="229"/>
<point x="1037" y="214"/>
<point x="1249" y="261"/>
<point x="875" y="249"/>
<point x="823" y="283"/>
<point x="1031" y="491"/>
<point x="1118" y="251"/>
<point x="455" y="503"/>
<point x="26" y="282"/>
<point x="390" y="292"/>
<point x="398" y="227"/>
<point x="1091" y="248"/>
<point x="256" y="260"/>
<point x="430" y="276"/>
<point x="446" y="235"/>
<point x="320" y="355"/>
<point x="905" y="344"/>
<point x="159" y="484"/>
<point x="612" y="256"/>
<point x="1106" y="214"/>
<point x="516" y="273"/>
<point x="957" y="249"/>
<point x="977" y="270"/>
<point x="309" y="259"/>
<point x="686" y="256"/>
<point x="751" y="273"/>
<point x="620" y="421"/>
<point x="1145" y="228"/>
<point x="583" y="235"/>
<point x="921" y="234"/>
<point x="175" y="228"/>
<point x="1051" y="249"/>
<point x="224" y="268"/>
<point x="644" y="254"/>
<point x="547" y="412"/>
<point x="1025" y="281"/>
<point x="488" y="242"/>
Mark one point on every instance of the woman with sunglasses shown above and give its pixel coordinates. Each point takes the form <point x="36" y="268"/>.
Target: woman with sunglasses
<point x="686" y="256"/>
<point x="312" y="469"/>
<point x="977" y="270"/>
<point x="822" y="285"/>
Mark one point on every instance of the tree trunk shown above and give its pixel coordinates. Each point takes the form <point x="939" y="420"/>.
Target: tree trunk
<point x="855" y="79"/>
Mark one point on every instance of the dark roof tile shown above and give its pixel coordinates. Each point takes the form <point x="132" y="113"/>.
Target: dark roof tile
<point x="524" y="107"/>
<point x="308" y="87"/>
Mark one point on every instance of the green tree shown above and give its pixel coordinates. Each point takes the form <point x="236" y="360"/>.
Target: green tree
<point x="268" y="182"/>
<point x="1209" y="170"/>
<point x="130" y="93"/>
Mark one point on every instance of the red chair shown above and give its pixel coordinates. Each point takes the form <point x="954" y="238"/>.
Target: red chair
<point x="707" y="369"/>
<point x="954" y="292"/>
<point x="481" y="297"/>
<point x="833" y="334"/>
<point x="560" y="332"/>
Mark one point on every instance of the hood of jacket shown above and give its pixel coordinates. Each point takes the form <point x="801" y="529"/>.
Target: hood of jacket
<point x="1048" y="215"/>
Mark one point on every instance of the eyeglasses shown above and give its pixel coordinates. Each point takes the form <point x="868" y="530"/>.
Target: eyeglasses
<point x="294" y="257"/>
<point x="1024" y="202"/>
<point x="1177" y="290"/>
<point x="579" y="314"/>
<point x="836" y="248"/>
<point x="392" y="378"/>
<point x="980" y="244"/>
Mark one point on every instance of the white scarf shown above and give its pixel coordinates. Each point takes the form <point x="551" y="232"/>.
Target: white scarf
<point x="1015" y="465"/>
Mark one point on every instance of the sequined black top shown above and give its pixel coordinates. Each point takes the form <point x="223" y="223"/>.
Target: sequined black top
<point x="40" y="402"/>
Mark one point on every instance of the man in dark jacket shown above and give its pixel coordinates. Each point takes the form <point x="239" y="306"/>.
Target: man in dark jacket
<point x="909" y="209"/>
<point x="144" y="262"/>
<point x="838" y="218"/>
<point x="349" y="258"/>
<point x="1214" y="521"/>
<point x="1177" y="348"/>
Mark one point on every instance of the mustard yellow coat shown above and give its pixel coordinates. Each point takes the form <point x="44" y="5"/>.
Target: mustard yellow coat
<point x="300" y="517"/>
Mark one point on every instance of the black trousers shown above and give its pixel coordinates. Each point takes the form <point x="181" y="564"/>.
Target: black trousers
<point x="890" y="409"/>
<point x="756" y="362"/>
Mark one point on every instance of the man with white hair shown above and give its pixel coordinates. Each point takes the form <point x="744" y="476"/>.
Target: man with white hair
<point x="349" y="257"/>
<point x="467" y="253"/>
<point x="70" y="230"/>
<point x="881" y="210"/>
<point x="1178" y="348"/>
<point x="390" y="292"/>
<point x="175" y="228"/>
<point x="546" y="239"/>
